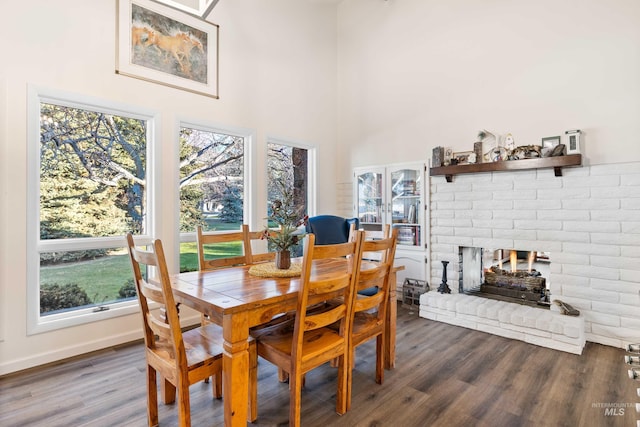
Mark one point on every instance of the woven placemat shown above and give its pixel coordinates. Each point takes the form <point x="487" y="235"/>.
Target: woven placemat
<point x="268" y="269"/>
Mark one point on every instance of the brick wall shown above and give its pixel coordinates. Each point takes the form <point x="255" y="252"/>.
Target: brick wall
<point x="588" y="219"/>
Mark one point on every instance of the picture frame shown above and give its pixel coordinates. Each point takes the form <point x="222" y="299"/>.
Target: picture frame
<point x="573" y="141"/>
<point x="163" y="45"/>
<point x="550" y="142"/>
<point x="462" y="157"/>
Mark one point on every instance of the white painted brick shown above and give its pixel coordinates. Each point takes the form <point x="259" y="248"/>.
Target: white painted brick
<point x="631" y="252"/>
<point x="630" y="204"/>
<point x="476" y="195"/>
<point x="538" y="183"/>
<point x="616" y="309"/>
<point x="555" y="345"/>
<point x="537" y="245"/>
<point x="630" y="299"/>
<point x="633" y="179"/>
<point x="563" y="236"/>
<point x="564" y="194"/>
<point x="441" y="197"/>
<point x="454" y="187"/>
<point x="442" y="231"/>
<point x="478" y="320"/>
<point x="629" y="276"/>
<point x="590" y="271"/>
<point x="439" y="247"/>
<point x="614" y="215"/>
<point x="570" y="280"/>
<point x="615" y="262"/>
<point x="515" y="195"/>
<point x="622" y="333"/>
<point x="579" y="303"/>
<point x="563" y="215"/>
<point x="614" y="239"/>
<point x="601" y="318"/>
<point x="592" y="226"/>
<point x="615" y="192"/>
<point x="427" y="315"/>
<point x="474" y="232"/>
<point x="453" y="205"/>
<point x="492" y="243"/>
<point x="512" y="214"/>
<point x="526" y="331"/>
<point x="591" y="249"/>
<point x="537" y="205"/>
<point x="591" y="181"/>
<point x="568" y="340"/>
<point x="615" y="169"/>
<point x="631" y="227"/>
<point x="502" y="332"/>
<point x="569" y="258"/>
<point x="591" y="205"/>
<point x="590" y="294"/>
<point x="474" y="177"/>
<point x="461" y="322"/>
<point x="441" y="222"/>
<point x="630" y="323"/>
<point x="442" y="213"/>
<point x="537" y="224"/>
<point x="616" y="286"/>
<point x="493" y="186"/>
<point x="474" y="214"/>
<point x="493" y="204"/>
<point x="494" y="224"/>
<point x="456" y="240"/>
<point x="514" y="234"/>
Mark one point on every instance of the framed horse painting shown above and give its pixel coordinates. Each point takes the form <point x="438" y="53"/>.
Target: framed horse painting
<point x="163" y="45"/>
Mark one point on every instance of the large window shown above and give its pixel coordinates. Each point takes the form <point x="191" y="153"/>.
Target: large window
<point x="212" y="188"/>
<point x="289" y="170"/>
<point x="92" y="186"/>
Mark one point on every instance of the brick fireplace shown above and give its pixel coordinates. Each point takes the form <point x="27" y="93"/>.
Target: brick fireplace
<point x="587" y="221"/>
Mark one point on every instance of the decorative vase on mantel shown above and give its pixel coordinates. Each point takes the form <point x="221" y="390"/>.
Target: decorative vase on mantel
<point x="283" y="260"/>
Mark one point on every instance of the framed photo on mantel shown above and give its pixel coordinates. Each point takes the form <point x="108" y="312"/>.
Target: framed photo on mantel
<point x="160" y="44"/>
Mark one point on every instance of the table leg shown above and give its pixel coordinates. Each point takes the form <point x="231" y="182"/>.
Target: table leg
<point x="390" y="324"/>
<point x="235" y="369"/>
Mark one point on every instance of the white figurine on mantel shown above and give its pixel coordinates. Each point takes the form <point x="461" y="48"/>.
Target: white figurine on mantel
<point x="509" y="143"/>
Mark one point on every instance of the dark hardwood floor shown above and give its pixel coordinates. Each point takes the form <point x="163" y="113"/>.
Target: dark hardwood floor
<point x="445" y="376"/>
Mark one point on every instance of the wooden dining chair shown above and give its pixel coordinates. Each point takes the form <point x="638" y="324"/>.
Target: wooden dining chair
<point x="369" y="311"/>
<point x="259" y="256"/>
<point x="180" y="358"/>
<point x="212" y="240"/>
<point x="308" y="342"/>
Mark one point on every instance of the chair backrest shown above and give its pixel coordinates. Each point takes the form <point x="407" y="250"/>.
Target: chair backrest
<point x="259" y="256"/>
<point x="372" y="235"/>
<point x="331" y="229"/>
<point x="378" y="276"/>
<point x="325" y="285"/>
<point x="164" y="323"/>
<point x="219" y="238"/>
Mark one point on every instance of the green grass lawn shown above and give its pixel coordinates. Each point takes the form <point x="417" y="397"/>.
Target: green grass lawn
<point x="102" y="278"/>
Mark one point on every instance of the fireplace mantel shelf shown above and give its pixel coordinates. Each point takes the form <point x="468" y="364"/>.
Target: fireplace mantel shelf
<point x="557" y="163"/>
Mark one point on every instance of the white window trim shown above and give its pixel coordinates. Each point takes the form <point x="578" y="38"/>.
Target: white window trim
<point x="36" y="95"/>
<point x="250" y="177"/>
<point x="311" y="167"/>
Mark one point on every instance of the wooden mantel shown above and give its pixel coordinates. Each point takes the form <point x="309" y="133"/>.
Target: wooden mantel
<point x="557" y="163"/>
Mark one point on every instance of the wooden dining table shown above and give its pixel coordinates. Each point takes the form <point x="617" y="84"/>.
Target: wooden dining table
<point x="237" y="300"/>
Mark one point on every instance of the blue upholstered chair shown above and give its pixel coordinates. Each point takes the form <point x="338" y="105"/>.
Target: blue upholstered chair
<point x="331" y="230"/>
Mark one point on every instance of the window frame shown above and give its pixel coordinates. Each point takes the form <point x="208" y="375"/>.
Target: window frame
<point x="311" y="169"/>
<point x="249" y="175"/>
<point x="36" y="323"/>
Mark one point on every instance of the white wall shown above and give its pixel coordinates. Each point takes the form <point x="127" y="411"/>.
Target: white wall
<point x="277" y="78"/>
<point x="414" y="74"/>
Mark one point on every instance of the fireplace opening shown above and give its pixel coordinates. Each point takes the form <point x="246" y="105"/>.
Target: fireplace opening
<point x="505" y="274"/>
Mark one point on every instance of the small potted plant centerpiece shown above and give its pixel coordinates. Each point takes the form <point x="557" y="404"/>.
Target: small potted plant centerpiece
<point x="291" y="228"/>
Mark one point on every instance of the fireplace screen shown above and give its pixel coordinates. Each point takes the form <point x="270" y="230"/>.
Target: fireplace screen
<point x="505" y="274"/>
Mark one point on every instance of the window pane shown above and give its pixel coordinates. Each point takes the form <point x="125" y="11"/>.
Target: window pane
<point x="71" y="280"/>
<point x="287" y="169"/>
<point x="92" y="173"/>
<point x="211" y="188"/>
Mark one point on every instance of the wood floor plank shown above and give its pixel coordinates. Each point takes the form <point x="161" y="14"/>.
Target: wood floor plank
<point x="445" y="376"/>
